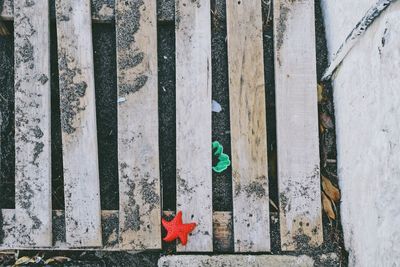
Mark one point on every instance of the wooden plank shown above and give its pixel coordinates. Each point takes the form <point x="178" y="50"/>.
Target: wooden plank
<point x="138" y="155"/>
<point x="78" y="123"/>
<point x="110" y="225"/>
<point x="297" y="123"/>
<point x="248" y="126"/>
<point x="193" y="118"/>
<point x="222" y="230"/>
<point x="32" y="123"/>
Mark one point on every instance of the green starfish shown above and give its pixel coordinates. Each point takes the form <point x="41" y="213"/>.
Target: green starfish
<point x="223" y="159"/>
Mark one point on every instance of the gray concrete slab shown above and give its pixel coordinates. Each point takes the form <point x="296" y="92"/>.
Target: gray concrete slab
<point x="235" y="261"/>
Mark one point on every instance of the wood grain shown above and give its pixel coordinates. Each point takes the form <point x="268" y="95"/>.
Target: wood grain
<point x="222" y="231"/>
<point x="193" y="118"/>
<point x="78" y="123"/>
<point x="32" y="123"/>
<point x="297" y="123"/>
<point x="248" y="126"/>
<point x="138" y="155"/>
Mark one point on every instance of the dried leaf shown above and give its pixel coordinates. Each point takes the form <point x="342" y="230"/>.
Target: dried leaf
<point x="330" y="190"/>
<point x="57" y="259"/>
<point x="23" y="260"/>
<point x="48" y="261"/>
<point x="327" y="204"/>
<point x="326" y="121"/>
<point x="273" y="204"/>
<point x="321" y="93"/>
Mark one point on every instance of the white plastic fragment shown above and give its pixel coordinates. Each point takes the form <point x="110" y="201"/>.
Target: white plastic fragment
<point x="121" y="99"/>
<point x="216" y="107"/>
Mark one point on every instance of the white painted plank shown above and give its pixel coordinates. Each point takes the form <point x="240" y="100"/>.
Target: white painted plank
<point x="193" y="118"/>
<point x="138" y="155"/>
<point x="248" y="126"/>
<point x="297" y="123"/>
<point x="32" y="123"/>
<point x="78" y="123"/>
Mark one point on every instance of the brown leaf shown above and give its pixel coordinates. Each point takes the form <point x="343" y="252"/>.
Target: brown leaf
<point x="326" y="121"/>
<point x="321" y="93"/>
<point x="57" y="259"/>
<point x="23" y="261"/>
<point x="327" y="204"/>
<point x="330" y="190"/>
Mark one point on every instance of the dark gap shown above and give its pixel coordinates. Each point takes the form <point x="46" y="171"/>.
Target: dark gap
<point x="57" y="173"/>
<point x="333" y="232"/>
<point x="167" y="113"/>
<point x="7" y="122"/>
<point x="222" y="182"/>
<point x="167" y="110"/>
<point x="269" y="77"/>
<point x="105" y="70"/>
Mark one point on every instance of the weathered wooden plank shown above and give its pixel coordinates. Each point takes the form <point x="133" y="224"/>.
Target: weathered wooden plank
<point x="138" y="155"/>
<point x="78" y="123"/>
<point x="248" y="126"/>
<point x="193" y="117"/>
<point x="297" y="123"/>
<point x="222" y="231"/>
<point x="32" y="123"/>
<point x="110" y="224"/>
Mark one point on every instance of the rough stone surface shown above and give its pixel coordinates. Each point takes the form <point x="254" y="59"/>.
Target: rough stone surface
<point x="367" y="114"/>
<point x="235" y="261"/>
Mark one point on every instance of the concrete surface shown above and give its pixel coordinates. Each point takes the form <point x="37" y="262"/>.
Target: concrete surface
<point x="367" y="110"/>
<point x="235" y="261"/>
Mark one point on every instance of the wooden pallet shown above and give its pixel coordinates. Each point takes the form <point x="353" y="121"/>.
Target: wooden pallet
<point x="137" y="223"/>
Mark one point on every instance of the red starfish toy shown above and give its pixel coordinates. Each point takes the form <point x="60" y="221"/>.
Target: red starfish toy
<point x="176" y="229"/>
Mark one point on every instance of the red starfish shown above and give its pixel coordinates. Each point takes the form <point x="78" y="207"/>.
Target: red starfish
<point x="176" y="229"/>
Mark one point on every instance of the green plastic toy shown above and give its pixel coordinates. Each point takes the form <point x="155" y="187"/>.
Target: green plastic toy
<point x="223" y="159"/>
